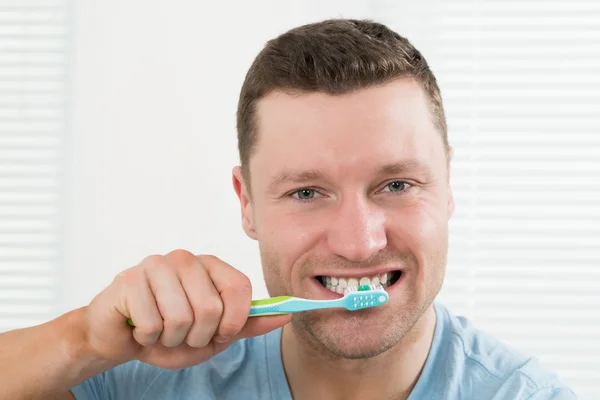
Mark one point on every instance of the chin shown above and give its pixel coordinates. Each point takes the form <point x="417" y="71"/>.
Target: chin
<point x="360" y="348"/>
<point x="351" y="334"/>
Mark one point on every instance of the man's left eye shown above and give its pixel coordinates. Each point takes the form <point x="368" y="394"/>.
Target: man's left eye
<point x="305" y="194"/>
<point x="397" y="186"/>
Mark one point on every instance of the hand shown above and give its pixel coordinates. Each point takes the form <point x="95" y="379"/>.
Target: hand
<point x="185" y="308"/>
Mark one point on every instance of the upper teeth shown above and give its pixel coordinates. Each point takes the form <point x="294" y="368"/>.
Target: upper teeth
<point x="338" y="285"/>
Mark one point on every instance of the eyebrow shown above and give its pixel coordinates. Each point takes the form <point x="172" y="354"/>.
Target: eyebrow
<point x="412" y="166"/>
<point x="311" y="175"/>
<point x="296" y="177"/>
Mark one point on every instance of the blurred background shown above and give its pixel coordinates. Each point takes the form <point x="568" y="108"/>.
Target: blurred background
<point x="117" y="139"/>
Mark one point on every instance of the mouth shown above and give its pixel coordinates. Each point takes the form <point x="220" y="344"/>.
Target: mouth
<point x="337" y="284"/>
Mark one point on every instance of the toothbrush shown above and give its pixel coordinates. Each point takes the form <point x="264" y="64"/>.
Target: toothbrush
<point x="355" y="298"/>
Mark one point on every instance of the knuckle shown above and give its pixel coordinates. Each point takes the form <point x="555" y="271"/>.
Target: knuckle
<point x="180" y="320"/>
<point x="239" y="289"/>
<point x="153" y="259"/>
<point x="128" y="276"/>
<point x="243" y="285"/>
<point x="155" y="263"/>
<point x="149" y="329"/>
<point x="210" y="310"/>
<point x="208" y="259"/>
<point x="182" y="257"/>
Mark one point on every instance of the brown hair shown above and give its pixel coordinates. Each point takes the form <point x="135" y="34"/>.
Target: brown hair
<point x="335" y="56"/>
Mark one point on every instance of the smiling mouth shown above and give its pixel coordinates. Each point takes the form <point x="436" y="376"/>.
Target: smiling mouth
<point x="339" y="284"/>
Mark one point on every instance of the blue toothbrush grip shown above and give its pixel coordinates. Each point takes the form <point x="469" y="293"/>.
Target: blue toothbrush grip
<point x="270" y="310"/>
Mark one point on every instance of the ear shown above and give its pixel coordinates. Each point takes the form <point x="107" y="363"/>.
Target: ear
<point x="451" y="205"/>
<point x="245" y="203"/>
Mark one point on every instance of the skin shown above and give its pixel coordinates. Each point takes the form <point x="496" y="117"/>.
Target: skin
<point x="324" y="203"/>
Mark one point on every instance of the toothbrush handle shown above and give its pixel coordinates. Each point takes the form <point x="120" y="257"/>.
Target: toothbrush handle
<point x="291" y="305"/>
<point x="297" y="305"/>
<point x="286" y="305"/>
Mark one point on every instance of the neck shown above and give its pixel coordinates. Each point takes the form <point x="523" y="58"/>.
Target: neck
<point x="390" y="375"/>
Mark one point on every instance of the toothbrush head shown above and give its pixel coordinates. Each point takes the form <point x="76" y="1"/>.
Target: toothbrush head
<point x="364" y="296"/>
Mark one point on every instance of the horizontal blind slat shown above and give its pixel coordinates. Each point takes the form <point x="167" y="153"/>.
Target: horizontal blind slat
<point x="524" y="124"/>
<point x="34" y="38"/>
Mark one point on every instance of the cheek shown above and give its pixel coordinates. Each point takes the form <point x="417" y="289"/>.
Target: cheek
<point x="421" y="225"/>
<point x="284" y="240"/>
<point x="423" y="231"/>
<point x="292" y="231"/>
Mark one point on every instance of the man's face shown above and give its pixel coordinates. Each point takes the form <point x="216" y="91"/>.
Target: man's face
<point x="344" y="188"/>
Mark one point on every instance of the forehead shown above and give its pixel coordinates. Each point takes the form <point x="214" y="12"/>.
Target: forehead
<point x="369" y="127"/>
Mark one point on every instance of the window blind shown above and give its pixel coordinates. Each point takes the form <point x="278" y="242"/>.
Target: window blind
<point x="33" y="49"/>
<point x="521" y="86"/>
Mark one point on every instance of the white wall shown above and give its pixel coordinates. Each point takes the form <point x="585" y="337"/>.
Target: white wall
<point x="153" y="136"/>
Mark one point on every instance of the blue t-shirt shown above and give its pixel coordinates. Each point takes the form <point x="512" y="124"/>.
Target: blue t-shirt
<point x="463" y="363"/>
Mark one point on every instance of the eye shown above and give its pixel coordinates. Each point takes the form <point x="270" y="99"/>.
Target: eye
<point x="397" y="186"/>
<point x="304" y="194"/>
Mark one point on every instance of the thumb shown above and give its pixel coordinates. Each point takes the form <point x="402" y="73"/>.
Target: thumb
<point x="256" y="326"/>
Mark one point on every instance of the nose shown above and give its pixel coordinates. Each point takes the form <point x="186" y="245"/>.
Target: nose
<point x="356" y="230"/>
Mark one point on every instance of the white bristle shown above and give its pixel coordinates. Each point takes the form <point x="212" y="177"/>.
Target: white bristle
<point x="350" y="289"/>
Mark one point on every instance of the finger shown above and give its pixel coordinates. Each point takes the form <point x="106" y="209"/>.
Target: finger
<point x="184" y="355"/>
<point x="207" y="306"/>
<point x="140" y="306"/>
<point x="257" y="326"/>
<point x="171" y="301"/>
<point x="235" y="291"/>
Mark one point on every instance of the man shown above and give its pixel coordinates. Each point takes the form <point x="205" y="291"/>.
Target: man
<point x="344" y="175"/>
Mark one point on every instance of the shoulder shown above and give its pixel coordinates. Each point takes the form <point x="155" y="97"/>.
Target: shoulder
<point x="488" y="365"/>
<point x="242" y="362"/>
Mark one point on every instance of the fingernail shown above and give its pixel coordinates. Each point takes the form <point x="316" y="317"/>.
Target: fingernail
<point x="222" y="339"/>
